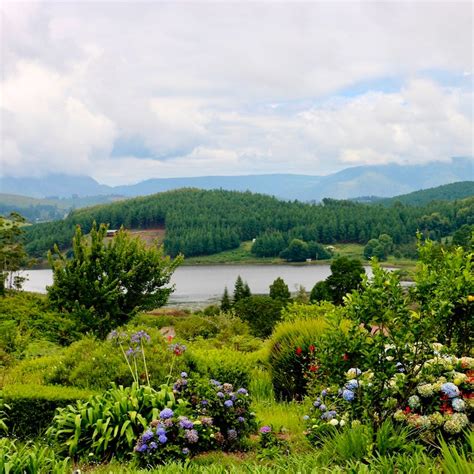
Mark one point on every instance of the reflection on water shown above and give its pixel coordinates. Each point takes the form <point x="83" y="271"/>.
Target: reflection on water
<point x="205" y="283"/>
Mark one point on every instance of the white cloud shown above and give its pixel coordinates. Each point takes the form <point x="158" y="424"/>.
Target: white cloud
<point x="213" y="88"/>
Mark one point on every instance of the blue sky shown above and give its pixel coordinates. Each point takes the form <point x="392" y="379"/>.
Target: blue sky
<point x="129" y="91"/>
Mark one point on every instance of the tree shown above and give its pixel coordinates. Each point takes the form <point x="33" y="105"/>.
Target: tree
<point x="226" y="304"/>
<point x="105" y="284"/>
<point x="464" y="237"/>
<point x="241" y="289"/>
<point x="12" y="252"/>
<point x="320" y="292"/>
<point x="346" y="275"/>
<point x="279" y="290"/>
<point x="260" y="312"/>
<point x="297" y="251"/>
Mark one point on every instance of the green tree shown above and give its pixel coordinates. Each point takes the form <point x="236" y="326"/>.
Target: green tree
<point x="279" y="290"/>
<point x="464" y="237"/>
<point x="346" y="275"/>
<point x="297" y="251"/>
<point x="105" y="284"/>
<point x="260" y="312"/>
<point x="226" y="304"/>
<point x="12" y="252"/>
<point x="320" y="292"/>
<point x="241" y="289"/>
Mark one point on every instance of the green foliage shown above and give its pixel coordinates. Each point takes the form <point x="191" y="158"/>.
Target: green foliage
<point x="456" y="459"/>
<point x="444" y="292"/>
<point x="320" y="292"/>
<point x="379" y="248"/>
<point x="108" y="424"/>
<point x="464" y="237"/>
<point x="226" y="304"/>
<point x="12" y="252"/>
<point x="32" y="407"/>
<point x="297" y="251"/>
<point x="269" y="244"/>
<point x="260" y="312"/>
<point x="241" y="289"/>
<point x="289" y="345"/>
<point x="105" y="284"/>
<point x="194" y="326"/>
<point x="279" y="290"/>
<point x="30" y="458"/>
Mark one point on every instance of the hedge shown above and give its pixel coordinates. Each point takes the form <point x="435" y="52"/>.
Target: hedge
<point x="32" y="407"/>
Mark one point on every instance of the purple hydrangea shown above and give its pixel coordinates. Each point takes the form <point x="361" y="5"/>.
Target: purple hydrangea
<point x="141" y="448"/>
<point x="241" y="419"/>
<point x="450" y="390"/>
<point x="242" y="391"/>
<point x="265" y="429"/>
<point x="191" y="436"/>
<point x="186" y="424"/>
<point x="228" y="403"/>
<point x="160" y="431"/>
<point x="166" y="413"/>
<point x="147" y="436"/>
<point x="220" y="394"/>
<point x="348" y="395"/>
<point x="162" y="439"/>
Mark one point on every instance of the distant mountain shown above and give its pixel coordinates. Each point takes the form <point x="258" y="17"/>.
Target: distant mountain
<point x="374" y="180"/>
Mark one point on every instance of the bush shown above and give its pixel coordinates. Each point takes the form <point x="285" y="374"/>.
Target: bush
<point x="30" y="458"/>
<point x="291" y="345"/>
<point x="108" y="424"/>
<point x="32" y="407"/>
<point x="33" y="371"/>
<point x="196" y="326"/>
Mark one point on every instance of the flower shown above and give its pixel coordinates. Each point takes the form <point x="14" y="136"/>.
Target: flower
<point x="231" y="434"/>
<point x="160" y="431"/>
<point x="215" y="382"/>
<point x="456" y="423"/>
<point x="139" y="336"/>
<point x="187" y="424"/>
<point x="147" y="436"/>
<point x="306" y="417"/>
<point x="191" y="436"/>
<point x="317" y="403"/>
<point x="131" y="352"/>
<point x="425" y="390"/>
<point x="242" y="391"/>
<point x="298" y="351"/>
<point x="333" y="422"/>
<point x="450" y="389"/>
<point x="414" y="402"/>
<point x="311" y="348"/>
<point x="324" y="393"/>
<point x="185" y="451"/>
<point x="166" y="413"/>
<point x="265" y="429"/>
<point x="458" y="404"/>
<point x="162" y="439"/>
<point x="348" y="395"/>
<point x="228" y="403"/>
<point x="313" y="368"/>
<point x="352" y="384"/>
<point x="227" y="387"/>
<point x="169" y="338"/>
<point x="345" y="356"/>
<point x="153" y="445"/>
<point x="206" y="420"/>
<point x="204" y="402"/>
<point x="241" y="419"/>
<point x="353" y="372"/>
<point x="322" y="407"/>
<point x="177" y="349"/>
<point x="184" y="374"/>
<point x="141" y="448"/>
<point x="220" y="394"/>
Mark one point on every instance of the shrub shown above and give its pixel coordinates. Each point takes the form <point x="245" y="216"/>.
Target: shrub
<point x="108" y="424"/>
<point x="290" y="345"/>
<point x="196" y="326"/>
<point x="32" y="408"/>
<point x="30" y="458"/>
<point x="33" y="371"/>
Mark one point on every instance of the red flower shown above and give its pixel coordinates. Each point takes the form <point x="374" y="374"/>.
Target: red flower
<point x="170" y="338"/>
<point x="311" y="348"/>
<point x="345" y="356"/>
<point x="313" y="368"/>
<point x="298" y="351"/>
<point x="407" y="410"/>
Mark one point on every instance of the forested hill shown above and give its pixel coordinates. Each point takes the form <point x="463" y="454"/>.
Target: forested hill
<point x="446" y="192"/>
<point x="205" y="222"/>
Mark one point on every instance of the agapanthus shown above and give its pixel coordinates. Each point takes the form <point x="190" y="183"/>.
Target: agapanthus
<point x="450" y="389"/>
<point x="139" y="336"/>
<point x="228" y="403"/>
<point x="348" y="395"/>
<point x="166" y="413"/>
<point x="132" y="352"/>
<point x="322" y="407"/>
<point x="191" y="436"/>
<point x="324" y="393"/>
<point x="177" y="349"/>
<point x="317" y="403"/>
<point x="184" y="374"/>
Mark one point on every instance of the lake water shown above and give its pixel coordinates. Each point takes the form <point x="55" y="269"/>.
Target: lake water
<point x="206" y="283"/>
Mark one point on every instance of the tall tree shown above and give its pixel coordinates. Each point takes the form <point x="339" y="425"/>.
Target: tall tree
<point x="279" y="290"/>
<point x="226" y="304"/>
<point x="105" y="284"/>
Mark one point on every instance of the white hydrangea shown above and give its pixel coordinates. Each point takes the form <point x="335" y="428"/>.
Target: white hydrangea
<point x="456" y="423"/>
<point x="426" y="390"/>
<point x="458" y="404"/>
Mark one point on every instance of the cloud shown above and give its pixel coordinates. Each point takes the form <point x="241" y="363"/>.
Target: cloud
<point x="125" y="91"/>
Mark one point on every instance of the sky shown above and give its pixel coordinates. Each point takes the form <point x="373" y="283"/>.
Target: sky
<point x="127" y="91"/>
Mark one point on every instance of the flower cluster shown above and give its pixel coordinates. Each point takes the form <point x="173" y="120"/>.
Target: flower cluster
<point x="443" y="399"/>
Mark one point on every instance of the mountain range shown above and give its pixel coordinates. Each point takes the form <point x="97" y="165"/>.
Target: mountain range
<point x="372" y="180"/>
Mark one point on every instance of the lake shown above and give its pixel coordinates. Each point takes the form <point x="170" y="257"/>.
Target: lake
<point x="206" y="283"/>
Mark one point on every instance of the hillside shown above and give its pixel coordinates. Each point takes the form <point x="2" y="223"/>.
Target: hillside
<point x="206" y="222"/>
<point x="374" y="180"/>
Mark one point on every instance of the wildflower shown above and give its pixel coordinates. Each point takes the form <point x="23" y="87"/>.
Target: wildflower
<point x="265" y="429"/>
<point x="228" y="403"/>
<point x="450" y="390"/>
<point x="348" y="395"/>
<point x="215" y="382"/>
<point x="231" y="435"/>
<point x="131" y="352"/>
<point x="317" y="403"/>
<point x="458" y="404"/>
<point x="169" y="338"/>
<point x="166" y="413"/>
<point x="324" y="393"/>
<point x="191" y="436"/>
<point x="353" y="372"/>
<point x="162" y="439"/>
<point x="298" y="351"/>
<point x="322" y="407"/>
<point x="242" y="391"/>
<point x="333" y="422"/>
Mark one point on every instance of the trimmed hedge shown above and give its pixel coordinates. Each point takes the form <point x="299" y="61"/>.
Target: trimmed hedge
<point x="32" y="407"/>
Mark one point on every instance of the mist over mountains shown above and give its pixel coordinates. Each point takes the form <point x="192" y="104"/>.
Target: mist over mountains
<point x="372" y="180"/>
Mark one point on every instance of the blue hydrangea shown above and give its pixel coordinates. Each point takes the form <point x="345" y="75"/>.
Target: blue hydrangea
<point x="141" y="448"/>
<point x="322" y="407"/>
<point x="204" y="402"/>
<point x="186" y="424"/>
<point x="228" y="403"/>
<point x="324" y="393"/>
<point x="450" y="390"/>
<point x="317" y="403"/>
<point x="220" y="394"/>
<point x="241" y="419"/>
<point x="242" y="391"/>
<point x="352" y="384"/>
<point x="162" y="439"/>
<point x="166" y="413"/>
<point x="184" y="374"/>
<point x="348" y="395"/>
<point x="147" y="436"/>
<point x="160" y="431"/>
